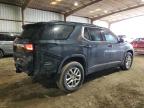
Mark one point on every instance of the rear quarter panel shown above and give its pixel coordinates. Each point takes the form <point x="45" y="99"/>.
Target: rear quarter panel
<point x="56" y="52"/>
<point x="128" y="47"/>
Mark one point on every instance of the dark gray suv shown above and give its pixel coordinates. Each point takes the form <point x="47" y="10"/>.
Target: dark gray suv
<point x="69" y="51"/>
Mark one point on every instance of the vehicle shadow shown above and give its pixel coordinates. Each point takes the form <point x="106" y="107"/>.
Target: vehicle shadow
<point x="7" y="56"/>
<point x="100" y="74"/>
<point x="139" y="55"/>
<point x="26" y="89"/>
<point x="51" y="83"/>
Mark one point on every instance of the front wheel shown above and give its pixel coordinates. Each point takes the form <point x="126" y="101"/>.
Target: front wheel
<point x="71" y="77"/>
<point x="128" y="60"/>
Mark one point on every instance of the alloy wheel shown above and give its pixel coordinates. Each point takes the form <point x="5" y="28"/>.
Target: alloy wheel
<point x="73" y="77"/>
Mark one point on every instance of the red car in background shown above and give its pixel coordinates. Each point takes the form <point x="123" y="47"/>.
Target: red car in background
<point x="138" y="45"/>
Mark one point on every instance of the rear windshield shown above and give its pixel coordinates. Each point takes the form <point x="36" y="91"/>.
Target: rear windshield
<point x="31" y="32"/>
<point x="47" y="32"/>
<point x="57" y="32"/>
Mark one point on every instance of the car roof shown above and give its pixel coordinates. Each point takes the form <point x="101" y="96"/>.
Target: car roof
<point x="63" y="22"/>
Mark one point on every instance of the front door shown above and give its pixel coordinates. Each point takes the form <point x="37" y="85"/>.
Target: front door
<point x="98" y="52"/>
<point x="116" y="48"/>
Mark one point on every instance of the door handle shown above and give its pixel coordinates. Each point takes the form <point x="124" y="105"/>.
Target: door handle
<point x="110" y="45"/>
<point x="87" y="46"/>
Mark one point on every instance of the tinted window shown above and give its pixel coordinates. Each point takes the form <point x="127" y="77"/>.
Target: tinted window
<point x="31" y="32"/>
<point x="110" y="37"/>
<point x="57" y="32"/>
<point x="4" y="37"/>
<point x="86" y="34"/>
<point x="93" y="34"/>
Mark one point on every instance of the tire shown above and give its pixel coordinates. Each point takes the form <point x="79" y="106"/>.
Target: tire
<point x="1" y="54"/>
<point x="127" y="62"/>
<point x="71" y="77"/>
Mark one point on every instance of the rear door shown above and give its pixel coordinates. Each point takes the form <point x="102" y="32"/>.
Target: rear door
<point x="98" y="52"/>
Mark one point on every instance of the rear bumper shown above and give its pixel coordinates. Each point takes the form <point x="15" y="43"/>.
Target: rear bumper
<point x="37" y="65"/>
<point x="44" y="70"/>
<point x="18" y="68"/>
<point x="23" y="65"/>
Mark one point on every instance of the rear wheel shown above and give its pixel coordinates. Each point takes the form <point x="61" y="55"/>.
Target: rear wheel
<point x="128" y="60"/>
<point x="1" y="54"/>
<point x="71" y="77"/>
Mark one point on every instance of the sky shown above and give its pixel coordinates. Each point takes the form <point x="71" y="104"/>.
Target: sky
<point x="132" y="28"/>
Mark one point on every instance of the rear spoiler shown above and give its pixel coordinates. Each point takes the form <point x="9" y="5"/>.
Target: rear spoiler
<point x="33" y="25"/>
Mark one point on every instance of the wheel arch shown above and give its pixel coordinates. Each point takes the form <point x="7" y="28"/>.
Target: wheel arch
<point x="2" y="50"/>
<point x="131" y="51"/>
<point x="78" y="58"/>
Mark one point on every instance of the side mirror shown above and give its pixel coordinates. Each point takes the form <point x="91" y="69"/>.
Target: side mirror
<point x="121" y="40"/>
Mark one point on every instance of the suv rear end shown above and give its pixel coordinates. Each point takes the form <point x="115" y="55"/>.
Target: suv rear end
<point x="38" y="50"/>
<point x="25" y="49"/>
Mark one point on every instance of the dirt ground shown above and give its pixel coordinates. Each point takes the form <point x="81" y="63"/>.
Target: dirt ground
<point x="106" y="89"/>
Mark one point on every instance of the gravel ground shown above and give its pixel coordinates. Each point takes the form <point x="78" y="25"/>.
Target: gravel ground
<point x="111" y="88"/>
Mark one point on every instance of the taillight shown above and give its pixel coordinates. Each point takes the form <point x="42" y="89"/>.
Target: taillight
<point x="28" y="47"/>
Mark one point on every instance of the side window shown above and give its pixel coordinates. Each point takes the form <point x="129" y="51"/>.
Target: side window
<point x="6" y="38"/>
<point x="110" y="37"/>
<point x="10" y="38"/>
<point x="1" y="37"/>
<point x="86" y="34"/>
<point x="57" y="32"/>
<point x="93" y="34"/>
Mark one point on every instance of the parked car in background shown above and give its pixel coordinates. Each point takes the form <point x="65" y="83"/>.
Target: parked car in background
<point x="68" y="51"/>
<point x="138" y="45"/>
<point x="122" y="37"/>
<point x="6" y="44"/>
<point x="126" y="38"/>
